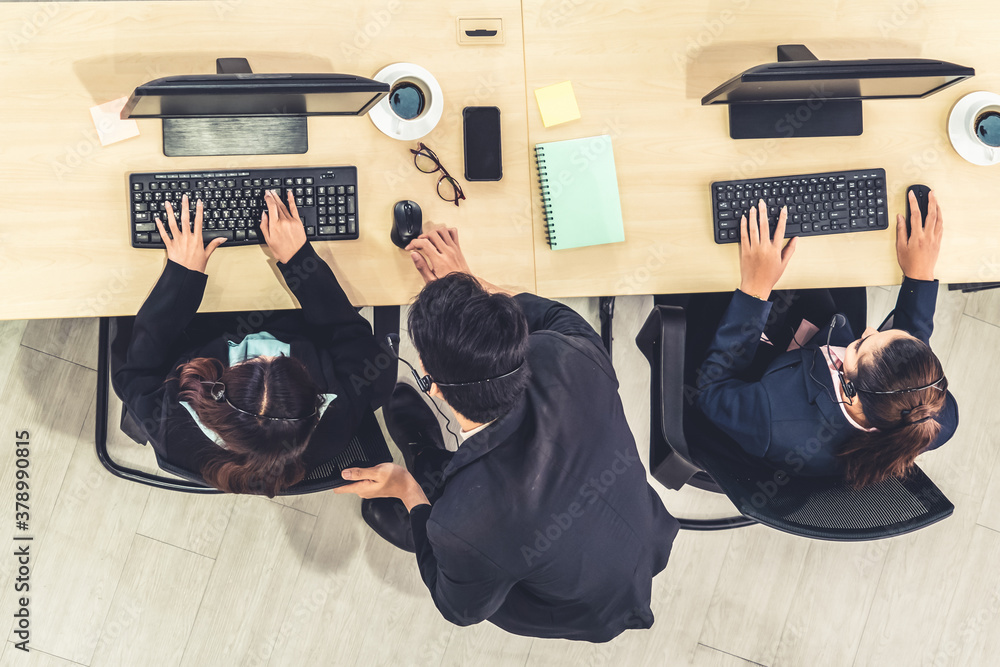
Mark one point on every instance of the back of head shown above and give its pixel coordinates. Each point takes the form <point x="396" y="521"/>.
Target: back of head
<point x="465" y="334"/>
<point x="906" y="420"/>
<point x="264" y="449"/>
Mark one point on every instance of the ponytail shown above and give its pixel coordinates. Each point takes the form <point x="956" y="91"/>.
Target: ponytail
<point x="906" y="421"/>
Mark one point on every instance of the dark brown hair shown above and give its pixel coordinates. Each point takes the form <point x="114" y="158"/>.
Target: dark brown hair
<point x="263" y="456"/>
<point x="465" y="334"/>
<point x="906" y="422"/>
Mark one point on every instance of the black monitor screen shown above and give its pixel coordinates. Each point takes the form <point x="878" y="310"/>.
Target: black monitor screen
<point x="858" y="80"/>
<point x="221" y="95"/>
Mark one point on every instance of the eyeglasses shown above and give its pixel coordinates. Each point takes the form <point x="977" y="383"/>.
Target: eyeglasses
<point x="427" y="161"/>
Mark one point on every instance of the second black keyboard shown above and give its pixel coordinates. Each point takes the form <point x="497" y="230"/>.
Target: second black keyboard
<point x="829" y="203"/>
<point x="232" y="201"/>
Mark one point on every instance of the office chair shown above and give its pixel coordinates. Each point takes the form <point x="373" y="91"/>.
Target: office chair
<point x="817" y="507"/>
<point x="367" y="448"/>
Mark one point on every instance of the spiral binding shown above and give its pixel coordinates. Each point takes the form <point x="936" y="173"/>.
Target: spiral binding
<point x="550" y="231"/>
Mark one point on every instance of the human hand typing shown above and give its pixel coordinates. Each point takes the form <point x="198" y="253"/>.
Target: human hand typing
<point x="187" y="247"/>
<point x="763" y="259"/>
<point x="281" y="226"/>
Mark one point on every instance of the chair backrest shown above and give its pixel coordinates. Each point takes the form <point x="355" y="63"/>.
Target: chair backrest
<point x="367" y="448"/>
<point x="823" y="507"/>
<point x="817" y="507"/>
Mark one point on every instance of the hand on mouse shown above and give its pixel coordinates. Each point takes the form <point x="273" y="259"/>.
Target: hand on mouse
<point x="763" y="259"/>
<point x="917" y="255"/>
<point x="281" y="226"/>
<point x="187" y="248"/>
<point x="436" y="253"/>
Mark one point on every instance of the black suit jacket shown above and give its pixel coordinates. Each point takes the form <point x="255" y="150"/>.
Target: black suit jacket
<point x="328" y="335"/>
<point x="546" y="526"/>
<point x="789" y="416"/>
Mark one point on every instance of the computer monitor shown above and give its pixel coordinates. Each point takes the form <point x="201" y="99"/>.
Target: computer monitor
<point x="800" y="96"/>
<point x="237" y="112"/>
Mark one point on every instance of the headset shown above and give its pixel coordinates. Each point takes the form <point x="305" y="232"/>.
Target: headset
<point x="851" y="390"/>
<point x="218" y="392"/>
<point x="424" y="383"/>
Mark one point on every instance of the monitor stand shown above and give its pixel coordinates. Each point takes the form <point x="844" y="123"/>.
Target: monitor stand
<point x="816" y="117"/>
<point x="268" y="135"/>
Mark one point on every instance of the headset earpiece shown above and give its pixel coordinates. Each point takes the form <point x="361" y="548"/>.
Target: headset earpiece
<point x="850" y="391"/>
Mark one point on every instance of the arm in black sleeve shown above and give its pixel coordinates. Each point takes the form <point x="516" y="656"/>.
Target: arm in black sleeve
<point x="466" y="586"/>
<point x="335" y="325"/>
<point x="739" y="408"/>
<point x="165" y="314"/>
<point x="915" y="306"/>
<point x="547" y="315"/>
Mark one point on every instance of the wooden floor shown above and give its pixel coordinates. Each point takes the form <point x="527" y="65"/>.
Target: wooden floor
<point x="126" y="575"/>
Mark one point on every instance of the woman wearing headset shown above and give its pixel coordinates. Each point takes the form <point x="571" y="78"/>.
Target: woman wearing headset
<point x="831" y="402"/>
<point x="252" y="401"/>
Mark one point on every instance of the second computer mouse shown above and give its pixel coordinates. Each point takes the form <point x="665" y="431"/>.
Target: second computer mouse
<point x="921" y="192"/>
<point x="407" y="222"/>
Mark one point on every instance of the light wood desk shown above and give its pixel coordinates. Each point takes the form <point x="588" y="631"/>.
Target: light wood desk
<point x="640" y="68"/>
<point x="64" y="242"/>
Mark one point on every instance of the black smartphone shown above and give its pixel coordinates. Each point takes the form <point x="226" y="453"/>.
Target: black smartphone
<point x="483" y="161"/>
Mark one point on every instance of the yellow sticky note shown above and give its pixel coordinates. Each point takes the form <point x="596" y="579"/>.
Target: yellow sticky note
<point x="557" y="103"/>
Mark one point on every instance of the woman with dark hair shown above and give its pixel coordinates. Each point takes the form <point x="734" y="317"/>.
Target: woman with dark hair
<point x="251" y="401"/>
<point x="793" y="381"/>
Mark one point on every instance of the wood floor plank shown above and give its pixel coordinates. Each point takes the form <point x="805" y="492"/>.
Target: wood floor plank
<point x="79" y="563"/>
<point x="74" y="340"/>
<point x="947" y="317"/>
<point x="831" y="603"/>
<point x="916" y="589"/>
<point x="965" y="463"/>
<point x="760" y="572"/>
<point x="11" y="333"/>
<point x="50" y="399"/>
<point x="335" y="591"/>
<point x="881" y="300"/>
<point x="190" y="521"/>
<point x="984" y="305"/>
<point x="972" y="627"/>
<point x="13" y="657"/>
<point x="485" y="643"/>
<point x="706" y="656"/>
<point x="251" y="584"/>
<point x="154" y="608"/>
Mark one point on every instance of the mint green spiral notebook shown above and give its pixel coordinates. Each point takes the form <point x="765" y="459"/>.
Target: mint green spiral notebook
<point x="579" y="192"/>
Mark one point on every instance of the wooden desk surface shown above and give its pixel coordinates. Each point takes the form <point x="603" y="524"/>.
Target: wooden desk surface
<point x="639" y="70"/>
<point x="64" y="244"/>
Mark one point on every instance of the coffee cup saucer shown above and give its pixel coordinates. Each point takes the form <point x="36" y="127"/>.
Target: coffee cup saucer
<point x="960" y="128"/>
<point x="408" y="129"/>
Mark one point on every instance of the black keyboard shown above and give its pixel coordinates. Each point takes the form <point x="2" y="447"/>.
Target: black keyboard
<point x="830" y="203"/>
<point x="326" y="197"/>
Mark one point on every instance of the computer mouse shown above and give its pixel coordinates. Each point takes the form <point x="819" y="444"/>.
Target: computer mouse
<point x="407" y="222"/>
<point x="921" y="192"/>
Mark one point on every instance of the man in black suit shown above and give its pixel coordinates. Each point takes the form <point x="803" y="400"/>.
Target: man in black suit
<point x="542" y="522"/>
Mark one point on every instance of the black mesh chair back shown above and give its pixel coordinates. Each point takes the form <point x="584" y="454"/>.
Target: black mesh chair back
<point x="816" y="507"/>
<point x="367" y="448"/>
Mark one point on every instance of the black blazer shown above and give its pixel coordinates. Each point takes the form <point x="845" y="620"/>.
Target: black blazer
<point x="546" y="526"/>
<point x="328" y="335"/>
<point x="788" y="416"/>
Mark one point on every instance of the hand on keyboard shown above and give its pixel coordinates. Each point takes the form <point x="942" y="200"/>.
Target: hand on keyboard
<point x="762" y="259"/>
<point x="281" y="226"/>
<point x="184" y="242"/>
